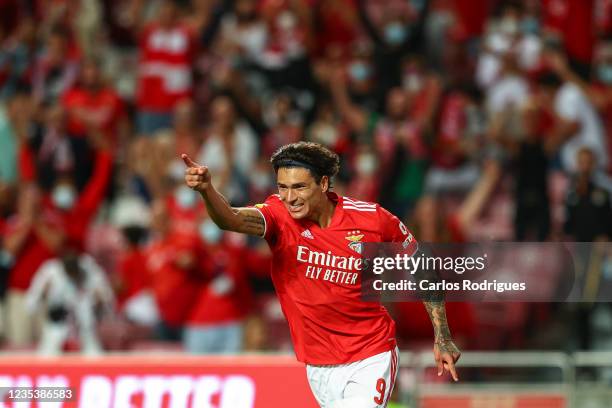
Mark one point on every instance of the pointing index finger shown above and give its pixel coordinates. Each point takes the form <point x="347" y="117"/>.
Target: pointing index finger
<point x="188" y="162"/>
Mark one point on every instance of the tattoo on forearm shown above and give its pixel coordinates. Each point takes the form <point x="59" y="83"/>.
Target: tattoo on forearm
<point x="253" y="224"/>
<point x="437" y="314"/>
<point x="442" y="335"/>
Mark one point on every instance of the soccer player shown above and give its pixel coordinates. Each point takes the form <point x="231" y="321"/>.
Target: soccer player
<point x="348" y="345"/>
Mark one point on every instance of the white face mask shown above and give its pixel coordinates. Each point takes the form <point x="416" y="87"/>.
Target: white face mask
<point x="63" y="197"/>
<point x="209" y="232"/>
<point x="508" y="26"/>
<point x="366" y="164"/>
<point x="185" y="197"/>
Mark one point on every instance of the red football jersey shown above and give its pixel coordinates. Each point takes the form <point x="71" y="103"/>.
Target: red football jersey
<point x="316" y="273"/>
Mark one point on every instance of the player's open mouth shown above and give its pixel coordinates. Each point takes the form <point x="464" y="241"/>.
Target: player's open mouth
<point x="296" y="208"/>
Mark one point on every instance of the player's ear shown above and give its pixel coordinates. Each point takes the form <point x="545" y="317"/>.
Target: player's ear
<point x="324" y="184"/>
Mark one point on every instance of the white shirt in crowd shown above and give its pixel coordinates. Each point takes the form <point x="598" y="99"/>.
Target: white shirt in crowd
<point x="52" y="286"/>
<point x="509" y="91"/>
<point x="572" y="105"/>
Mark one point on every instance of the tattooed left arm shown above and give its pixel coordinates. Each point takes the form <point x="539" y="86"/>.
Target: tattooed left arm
<point x="446" y="353"/>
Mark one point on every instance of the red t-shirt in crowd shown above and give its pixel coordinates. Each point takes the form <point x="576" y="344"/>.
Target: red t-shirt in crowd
<point x="185" y="220"/>
<point x="132" y="271"/>
<point x="165" y="65"/>
<point x="321" y="295"/>
<point x="472" y="18"/>
<point x="452" y="123"/>
<point x="606" y="115"/>
<point x="573" y="20"/>
<point x="78" y="218"/>
<point x="226" y="297"/>
<point x="34" y="251"/>
<point x="103" y="106"/>
<point x="175" y="288"/>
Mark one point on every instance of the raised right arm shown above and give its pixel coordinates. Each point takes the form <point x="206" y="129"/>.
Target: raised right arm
<point x="244" y="220"/>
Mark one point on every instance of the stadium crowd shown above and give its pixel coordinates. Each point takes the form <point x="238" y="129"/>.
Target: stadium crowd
<point x="479" y="120"/>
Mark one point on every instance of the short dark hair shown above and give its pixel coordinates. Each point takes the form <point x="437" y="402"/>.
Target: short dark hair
<point x="318" y="159"/>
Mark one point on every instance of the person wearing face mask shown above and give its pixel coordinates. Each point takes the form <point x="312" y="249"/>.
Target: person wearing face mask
<point x="215" y="324"/>
<point x="41" y="229"/>
<point x="365" y="184"/>
<point x="363" y="79"/>
<point x="183" y="207"/>
<point x="32" y="236"/>
<point x="77" y="210"/>
<point x="395" y="137"/>
<point x="400" y="33"/>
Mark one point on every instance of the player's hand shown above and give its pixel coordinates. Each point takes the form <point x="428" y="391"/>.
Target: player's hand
<point x="196" y="177"/>
<point x="446" y="354"/>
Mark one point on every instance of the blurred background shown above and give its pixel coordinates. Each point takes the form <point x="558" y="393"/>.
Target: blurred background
<point x="476" y="120"/>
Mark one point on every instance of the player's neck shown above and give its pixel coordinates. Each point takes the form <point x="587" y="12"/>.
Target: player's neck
<point x="324" y="213"/>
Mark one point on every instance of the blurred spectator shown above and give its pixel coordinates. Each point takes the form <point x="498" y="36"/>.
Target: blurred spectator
<point x="510" y="90"/>
<point x="229" y="149"/>
<point x="86" y="23"/>
<point x="261" y="182"/>
<point x="41" y="228"/>
<point x="46" y="149"/>
<point x="185" y="208"/>
<point x="599" y="92"/>
<point x="572" y="21"/>
<point x="521" y="131"/>
<point x="337" y="23"/>
<point x="167" y="51"/>
<point x="14" y="125"/>
<point x="589" y="207"/>
<point x="394" y="136"/>
<point x="32" y="236"/>
<point x="328" y="129"/>
<point x="289" y="23"/>
<point x="454" y="167"/>
<point x="365" y="185"/>
<point x="187" y="132"/>
<point x="215" y="324"/>
<point x="398" y="32"/>
<point x="71" y="290"/>
<point x="284" y="122"/>
<point x="423" y="87"/>
<point x="77" y="210"/>
<point x="56" y="69"/>
<point x="16" y="56"/>
<point x="243" y="34"/>
<point x="132" y="282"/>
<point x="177" y="266"/>
<point x="92" y="105"/>
<point x="576" y="124"/>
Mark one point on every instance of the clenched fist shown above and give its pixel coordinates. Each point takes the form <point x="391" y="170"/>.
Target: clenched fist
<point x="196" y="177"/>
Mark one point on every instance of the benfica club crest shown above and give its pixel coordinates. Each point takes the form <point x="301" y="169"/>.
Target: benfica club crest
<point x="354" y="238"/>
